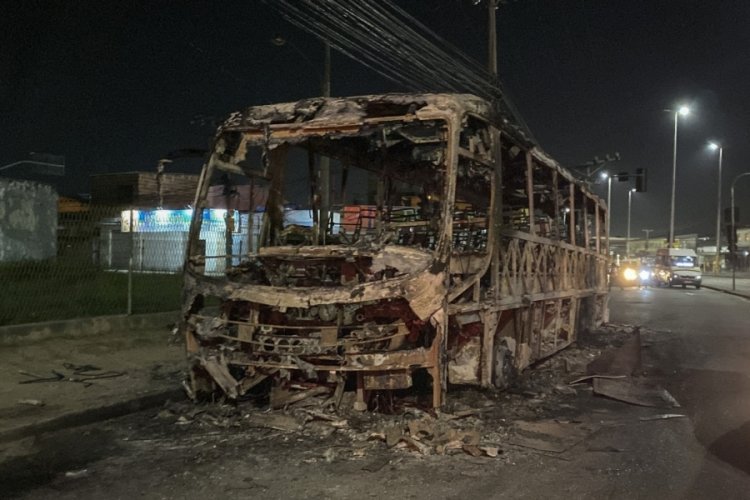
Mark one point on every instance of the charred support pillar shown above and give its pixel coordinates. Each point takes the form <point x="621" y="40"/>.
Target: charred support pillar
<point x="586" y="314"/>
<point x="489" y="321"/>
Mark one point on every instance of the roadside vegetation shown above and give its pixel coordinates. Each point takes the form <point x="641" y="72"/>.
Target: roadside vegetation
<point x="65" y="288"/>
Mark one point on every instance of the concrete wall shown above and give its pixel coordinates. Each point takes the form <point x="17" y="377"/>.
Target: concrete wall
<point x="28" y="221"/>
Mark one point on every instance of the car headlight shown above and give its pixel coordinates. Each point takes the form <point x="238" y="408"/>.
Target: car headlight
<point x="629" y="274"/>
<point x="644" y="275"/>
<point x="698" y="277"/>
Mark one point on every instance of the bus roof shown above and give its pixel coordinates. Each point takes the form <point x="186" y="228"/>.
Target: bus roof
<point x="344" y="110"/>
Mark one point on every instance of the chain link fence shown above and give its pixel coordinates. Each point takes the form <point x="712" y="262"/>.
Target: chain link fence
<point x="104" y="260"/>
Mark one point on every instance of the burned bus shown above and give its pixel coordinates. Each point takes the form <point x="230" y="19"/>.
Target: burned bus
<point x="361" y="244"/>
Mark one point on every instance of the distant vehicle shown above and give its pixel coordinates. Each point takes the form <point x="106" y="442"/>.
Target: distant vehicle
<point x="646" y="271"/>
<point x="631" y="272"/>
<point x="626" y="274"/>
<point x="677" y="266"/>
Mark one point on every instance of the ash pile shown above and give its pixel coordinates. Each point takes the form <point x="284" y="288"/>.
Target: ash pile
<point x="546" y="410"/>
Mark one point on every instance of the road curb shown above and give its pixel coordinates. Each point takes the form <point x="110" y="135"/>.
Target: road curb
<point x="91" y="415"/>
<point x="729" y="292"/>
<point x="82" y="327"/>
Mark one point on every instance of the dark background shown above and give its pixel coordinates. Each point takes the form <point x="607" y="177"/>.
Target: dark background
<point x="115" y="85"/>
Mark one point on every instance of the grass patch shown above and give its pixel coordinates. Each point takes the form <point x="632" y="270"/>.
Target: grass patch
<point x="65" y="289"/>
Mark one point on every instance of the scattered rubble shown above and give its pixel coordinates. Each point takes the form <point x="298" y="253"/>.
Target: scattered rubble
<point x="77" y="474"/>
<point x="31" y="402"/>
<point x="624" y="360"/>
<point x="80" y="374"/>
<point x="546" y="411"/>
<point x="665" y="416"/>
<point x="550" y="435"/>
<point x="613" y="374"/>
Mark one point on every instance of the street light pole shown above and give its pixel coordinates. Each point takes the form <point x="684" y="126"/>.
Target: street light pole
<point x="609" y="205"/>
<point x="717" y="262"/>
<point x="731" y="208"/>
<point x="627" y="239"/>
<point x="684" y="111"/>
<point x="605" y="175"/>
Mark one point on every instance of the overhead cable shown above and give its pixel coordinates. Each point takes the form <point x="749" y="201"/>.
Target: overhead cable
<point x="391" y="42"/>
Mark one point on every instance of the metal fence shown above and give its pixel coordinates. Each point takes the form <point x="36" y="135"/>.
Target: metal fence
<point x="109" y="260"/>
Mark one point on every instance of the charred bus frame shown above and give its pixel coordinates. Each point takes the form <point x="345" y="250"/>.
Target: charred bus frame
<point x="471" y="255"/>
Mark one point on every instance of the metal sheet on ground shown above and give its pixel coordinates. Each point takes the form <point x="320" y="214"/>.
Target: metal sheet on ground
<point x="548" y="435"/>
<point x="628" y="391"/>
<point x="625" y="360"/>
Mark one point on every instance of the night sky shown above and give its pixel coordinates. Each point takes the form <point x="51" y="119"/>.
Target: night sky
<point x="115" y="85"/>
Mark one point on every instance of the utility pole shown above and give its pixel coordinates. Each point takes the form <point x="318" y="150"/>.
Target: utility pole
<point x="627" y="240"/>
<point x="492" y="39"/>
<point x="717" y="259"/>
<point x="609" y="208"/>
<point x="325" y="162"/>
<point x="648" y="233"/>
<point x="497" y="209"/>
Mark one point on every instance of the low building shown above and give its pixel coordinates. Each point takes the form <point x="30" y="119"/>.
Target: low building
<point x="28" y="221"/>
<point x="145" y="200"/>
<point x="144" y="189"/>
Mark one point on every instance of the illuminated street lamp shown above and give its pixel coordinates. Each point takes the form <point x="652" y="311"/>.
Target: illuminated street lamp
<point x="717" y="263"/>
<point x="627" y="238"/>
<point x="681" y="111"/>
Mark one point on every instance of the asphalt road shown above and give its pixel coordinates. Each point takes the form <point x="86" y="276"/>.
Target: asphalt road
<point x="696" y="344"/>
<point x="701" y="353"/>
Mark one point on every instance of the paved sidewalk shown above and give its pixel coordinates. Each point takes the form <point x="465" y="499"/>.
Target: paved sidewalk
<point x="723" y="282"/>
<point x="100" y="376"/>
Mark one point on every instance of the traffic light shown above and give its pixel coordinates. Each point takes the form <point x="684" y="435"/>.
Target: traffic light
<point x="728" y="215"/>
<point x="640" y="180"/>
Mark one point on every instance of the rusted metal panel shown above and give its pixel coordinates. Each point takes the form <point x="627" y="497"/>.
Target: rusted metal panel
<point x="387" y="381"/>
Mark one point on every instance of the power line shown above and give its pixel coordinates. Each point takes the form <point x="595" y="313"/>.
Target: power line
<point x="391" y="42"/>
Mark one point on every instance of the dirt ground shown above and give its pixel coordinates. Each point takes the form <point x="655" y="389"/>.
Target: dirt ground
<point x="65" y="376"/>
<point x="543" y="437"/>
